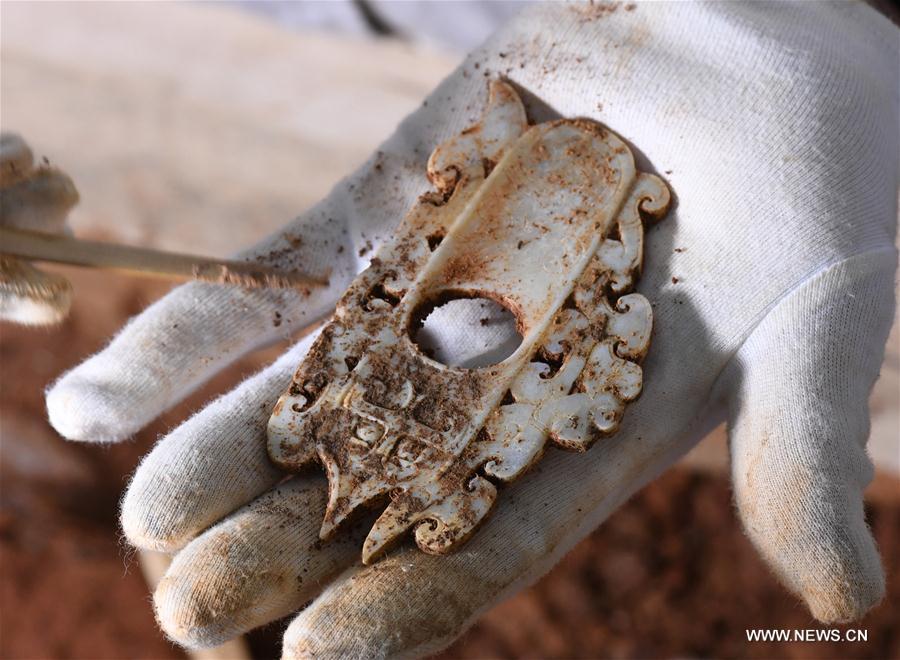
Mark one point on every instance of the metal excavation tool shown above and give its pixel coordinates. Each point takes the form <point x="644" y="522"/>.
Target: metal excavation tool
<point x="142" y="261"/>
<point x="34" y="203"/>
<point x="545" y="220"/>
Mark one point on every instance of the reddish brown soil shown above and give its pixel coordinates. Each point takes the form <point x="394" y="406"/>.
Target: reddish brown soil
<point x="669" y="575"/>
<point x="68" y="588"/>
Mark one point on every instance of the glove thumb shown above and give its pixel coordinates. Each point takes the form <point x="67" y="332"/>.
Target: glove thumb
<point x="799" y="421"/>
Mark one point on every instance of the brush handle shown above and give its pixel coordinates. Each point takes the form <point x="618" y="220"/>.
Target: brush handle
<point x="55" y="248"/>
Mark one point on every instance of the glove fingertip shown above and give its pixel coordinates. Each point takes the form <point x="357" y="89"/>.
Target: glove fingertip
<point x="847" y="590"/>
<point x="810" y="528"/>
<point x="86" y="412"/>
<point x="141" y="524"/>
<point x="182" y="616"/>
<point x="302" y="640"/>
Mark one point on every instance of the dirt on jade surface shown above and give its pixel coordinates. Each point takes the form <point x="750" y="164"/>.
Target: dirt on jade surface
<point x="668" y="575"/>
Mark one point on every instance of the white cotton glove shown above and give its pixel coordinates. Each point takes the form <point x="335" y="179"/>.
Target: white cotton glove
<point x="772" y="287"/>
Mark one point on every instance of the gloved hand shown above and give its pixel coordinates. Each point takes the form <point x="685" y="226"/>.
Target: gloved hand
<point x="34" y="199"/>
<point x="772" y="287"/>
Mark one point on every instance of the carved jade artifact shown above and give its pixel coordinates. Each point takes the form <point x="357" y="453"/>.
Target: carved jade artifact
<point x="547" y="221"/>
